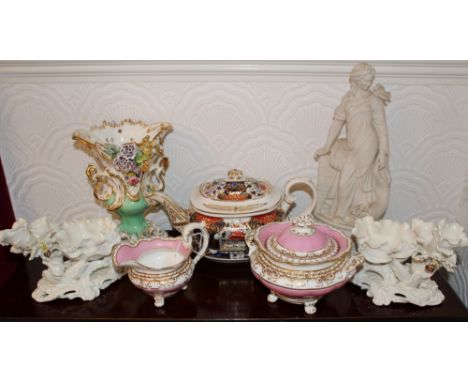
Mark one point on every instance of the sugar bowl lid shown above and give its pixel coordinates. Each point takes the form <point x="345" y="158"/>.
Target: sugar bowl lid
<point x="303" y="242"/>
<point x="235" y="195"/>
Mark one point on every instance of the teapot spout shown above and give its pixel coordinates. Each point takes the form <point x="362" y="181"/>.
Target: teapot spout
<point x="178" y="216"/>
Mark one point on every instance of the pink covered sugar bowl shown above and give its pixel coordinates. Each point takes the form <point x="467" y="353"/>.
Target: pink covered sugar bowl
<point x="300" y="261"/>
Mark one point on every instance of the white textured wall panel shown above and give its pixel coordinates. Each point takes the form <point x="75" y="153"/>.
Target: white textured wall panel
<point x="267" y="121"/>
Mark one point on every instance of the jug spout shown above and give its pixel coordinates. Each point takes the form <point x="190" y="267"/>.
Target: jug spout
<point x="178" y="216"/>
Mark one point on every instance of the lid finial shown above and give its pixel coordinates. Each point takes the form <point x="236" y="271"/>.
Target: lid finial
<point x="235" y="174"/>
<point x="303" y="225"/>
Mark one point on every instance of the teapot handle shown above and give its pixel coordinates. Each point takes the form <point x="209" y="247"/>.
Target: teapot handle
<point x="187" y="234"/>
<point x="289" y="201"/>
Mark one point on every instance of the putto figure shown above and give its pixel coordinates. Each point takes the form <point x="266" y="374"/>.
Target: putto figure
<point x="354" y="179"/>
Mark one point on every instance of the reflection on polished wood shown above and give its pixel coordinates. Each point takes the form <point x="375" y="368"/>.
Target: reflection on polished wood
<point x="220" y="292"/>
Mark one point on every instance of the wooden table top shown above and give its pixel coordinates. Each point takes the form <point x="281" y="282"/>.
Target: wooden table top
<point x="217" y="292"/>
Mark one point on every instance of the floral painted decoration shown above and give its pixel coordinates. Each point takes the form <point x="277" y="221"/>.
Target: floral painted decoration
<point x="131" y="159"/>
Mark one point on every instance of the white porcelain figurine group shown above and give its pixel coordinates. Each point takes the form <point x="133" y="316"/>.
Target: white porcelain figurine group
<point x="338" y="238"/>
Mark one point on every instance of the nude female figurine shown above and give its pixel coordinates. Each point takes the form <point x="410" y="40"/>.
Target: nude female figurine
<point x="354" y="179"/>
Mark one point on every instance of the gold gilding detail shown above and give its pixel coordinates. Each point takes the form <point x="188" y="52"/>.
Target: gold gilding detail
<point x="235" y="208"/>
<point x="44" y="249"/>
<point x="161" y="280"/>
<point x="108" y="183"/>
<point x="271" y="270"/>
<point x="279" y="253"/>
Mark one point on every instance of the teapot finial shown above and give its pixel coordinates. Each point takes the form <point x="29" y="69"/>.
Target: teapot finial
<point x="235" y="174"/>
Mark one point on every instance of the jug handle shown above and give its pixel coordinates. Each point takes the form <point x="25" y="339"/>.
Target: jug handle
<point x="187" y="234"/>
<point x="250" y="241"/>
<point x="289" y="200"/>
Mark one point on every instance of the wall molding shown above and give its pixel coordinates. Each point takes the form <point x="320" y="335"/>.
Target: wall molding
<point x="404" y="72"/>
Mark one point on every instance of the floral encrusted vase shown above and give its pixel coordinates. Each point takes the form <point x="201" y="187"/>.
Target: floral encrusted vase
<point x="130" y="167"/>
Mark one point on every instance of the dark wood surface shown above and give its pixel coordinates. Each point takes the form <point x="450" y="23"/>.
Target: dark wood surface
<point x="218" y="292"/>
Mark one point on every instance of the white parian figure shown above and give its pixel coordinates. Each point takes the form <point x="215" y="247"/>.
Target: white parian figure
<point x="355" y="178"/>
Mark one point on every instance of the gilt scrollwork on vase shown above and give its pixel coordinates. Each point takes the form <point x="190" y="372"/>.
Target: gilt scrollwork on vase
<point x="131" y="166"/>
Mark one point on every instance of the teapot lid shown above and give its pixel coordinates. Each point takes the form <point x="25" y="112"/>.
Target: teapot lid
<point x="235" y="195"/>
<point x="235" y="187"/>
